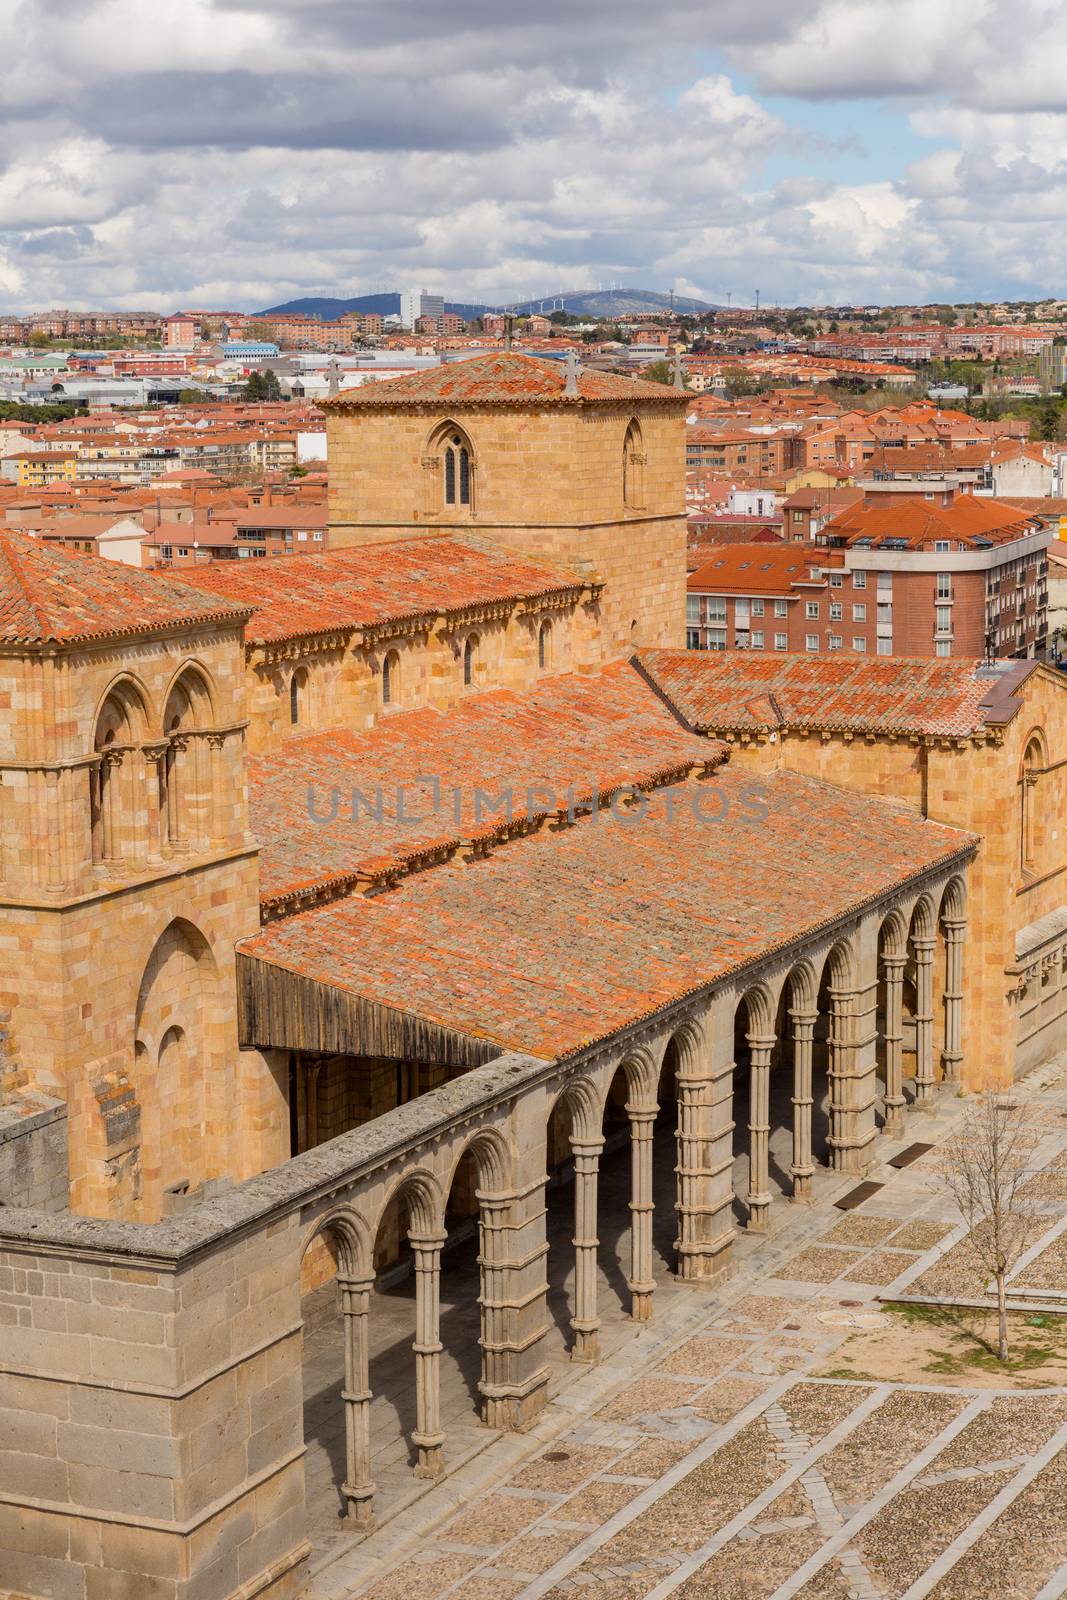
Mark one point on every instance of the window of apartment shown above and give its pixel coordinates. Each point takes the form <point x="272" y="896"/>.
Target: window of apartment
<point x="811" y="610"/>
<point x="716" y="608"/>
<point x="944" y="586"/>
<point x="781" y="608"/>
<point x="757" y="639"/>
<point x="885" y="582"/>
<point x="757" y="608"/>
<point x="836" y="579"/>
<point x="741" y="613"/>
<point x="943" y="647"/>
<point x="859" y="580"/>
<point x="942" y="547"/>
<point x="859" y="613"/>
<point x="859" y="644"/>
<point x="944" y="619"/>
<point x="781" y="641"/>
<point x="885" y="647"/>
<point x="692" y="638"/>
<point x="836" y="611"/>
<point x="835" y="641"/>
<point x="798" y="516"/>
<point x="885" y="613"/>
<point x="692" y="608"/>
<point x="716" y="638"/>
<point x="811" y="641"/>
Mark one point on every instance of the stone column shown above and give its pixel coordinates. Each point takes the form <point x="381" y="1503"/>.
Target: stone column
<point x="174" y="827"/>
<point x="428" y="1437"/>
<point x="153" y="755"/>
<point x="705" y="1163"/>
<point x="759" y="1131"/>
<point x="358" y="1487"/>
<point x="894" y="1041"/>
<point x="803" y="1168"/>
<point x="642" y="1284"/>
<point x="925" y="1083"/>
<point x="852" y="1072"/>
<point x="215" y="830"/>
<point x="110" y="767"/>
<point x="585" y="1322"/>
<point x="952" y="1053"/>
<point x="511" y="1260"/>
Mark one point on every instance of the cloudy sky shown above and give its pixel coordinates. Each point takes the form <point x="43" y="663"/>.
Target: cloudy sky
<point x="236" y="153"/>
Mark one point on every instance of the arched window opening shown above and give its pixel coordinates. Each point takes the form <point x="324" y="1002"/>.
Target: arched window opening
<point x="469" y="649"/>
<point x="298" y="697"/>
<point x="184" y="782"/>
<point x="120" y="726"/>
<point x="1029" y="820"/>
<point x="544" y="644"/>
<point x="458" y="463"/>
<point x="633" y="462"/>
<point x="391" y="679"/>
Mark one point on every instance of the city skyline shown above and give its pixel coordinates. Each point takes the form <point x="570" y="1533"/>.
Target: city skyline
<point x="233" y="153"/>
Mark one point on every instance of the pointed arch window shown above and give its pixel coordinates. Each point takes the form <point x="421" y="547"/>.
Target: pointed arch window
<point x="470" y="649"/>
<point x="458" y="463"/>
<point x="544" y="644"/>
<point x="633" y="468"/>
<point x="1029" y="820"/>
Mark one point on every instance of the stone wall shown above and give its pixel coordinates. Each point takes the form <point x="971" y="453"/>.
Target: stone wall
<point x="33" y="1154"/>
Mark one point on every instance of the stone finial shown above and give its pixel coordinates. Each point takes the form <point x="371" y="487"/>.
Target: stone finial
<point x="333" y="378"/>
<point x="679" y="375"/>
<point x="570" y="387"/>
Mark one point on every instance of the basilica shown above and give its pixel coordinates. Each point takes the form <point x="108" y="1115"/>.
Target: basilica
<point x="357" y="900"/>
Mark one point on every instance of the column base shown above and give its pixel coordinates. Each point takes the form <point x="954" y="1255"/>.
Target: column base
<point x="359" y="1512"/>
<point x="586" y="1344"/>
<point x="704" y="1263"/>
<point x="511" y="1409"/>
<point x="431" y="1463"/>
<point x="803" y="1178"/>
<point x="893" y="1127"/>
<point x="641" y="1301"/>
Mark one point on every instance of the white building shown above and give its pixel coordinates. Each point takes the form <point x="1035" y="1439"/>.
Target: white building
<point x="416" y="303"/>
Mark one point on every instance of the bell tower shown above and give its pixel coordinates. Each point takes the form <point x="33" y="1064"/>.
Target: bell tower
<point x="573" y="467"/>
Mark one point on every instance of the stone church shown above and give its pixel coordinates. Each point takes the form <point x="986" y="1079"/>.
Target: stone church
<point x="359" y="901"/>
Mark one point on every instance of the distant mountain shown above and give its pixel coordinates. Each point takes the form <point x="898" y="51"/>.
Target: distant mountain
<point x="382" y="305"/>
<point x="602" y="304"/>
<point x="610" y="304"/>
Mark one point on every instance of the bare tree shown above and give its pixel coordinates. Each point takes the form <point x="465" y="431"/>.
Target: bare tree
<point x="986" y="1170"/>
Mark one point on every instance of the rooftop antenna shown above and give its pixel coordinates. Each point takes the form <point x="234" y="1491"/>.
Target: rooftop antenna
<point x="570" y="387"/>
<point x="757" y="302"/>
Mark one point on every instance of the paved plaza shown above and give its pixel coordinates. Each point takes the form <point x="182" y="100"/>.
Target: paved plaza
<point x="777" y="1436"/>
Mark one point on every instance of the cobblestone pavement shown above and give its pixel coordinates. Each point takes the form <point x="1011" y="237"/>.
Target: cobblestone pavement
<point x="714" y="1453"/>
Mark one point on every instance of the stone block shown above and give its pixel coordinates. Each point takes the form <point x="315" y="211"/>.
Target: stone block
<point x="151" y="1453"/>
<point x="26" y="1576"/>
<point x="132" y="1493"/>
<point x="29" y="1432"/>
<point x="37" y="1477"/>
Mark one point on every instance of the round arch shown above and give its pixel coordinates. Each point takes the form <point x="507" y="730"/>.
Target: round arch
<point x="492" y="1158"/>
<point x="130" y="703"/>
<point x="348" y="1232"/>
<point x="420" y="1191"/>
<point x="190" y="698"/>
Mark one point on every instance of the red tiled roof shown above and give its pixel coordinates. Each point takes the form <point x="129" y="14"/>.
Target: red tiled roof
<point x="502" y="378"/>
<point x="369" y="584"/>
<point x="968" y="517"/>
<point x="570" y="730"/>
<point x="560" y="939"/>
<point x="761" y="568"/>
<point x="54" y="594"/>
<point x="716" y="691"/>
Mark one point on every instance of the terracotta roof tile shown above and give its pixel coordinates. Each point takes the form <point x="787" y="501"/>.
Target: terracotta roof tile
<point x="501" y="378"/>
<point x="359" y="587"/>
<point x="562" y="938"/>
<point x="717" y="691"/>
<point x="580" y="731"/>
<point x="48" y="593"/>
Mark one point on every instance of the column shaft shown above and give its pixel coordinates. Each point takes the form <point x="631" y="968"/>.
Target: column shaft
<point x="952" y="1053"/>
<point x="803" y="1168"/>
<point x="642" y="1210"/>
<point x="511" y="1259"/>
<point x="759" y="1131"/>
<point x="428" y="1437"/>
<point x="894" y="1044"/>
<point x="925" y="1083"/>
<point x="358" y="1487"/>
<point x="585" y="1322"/>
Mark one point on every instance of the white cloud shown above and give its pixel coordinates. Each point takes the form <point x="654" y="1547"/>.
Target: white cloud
<point x="239" y="152"/>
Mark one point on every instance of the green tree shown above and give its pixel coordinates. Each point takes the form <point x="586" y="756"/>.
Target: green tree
<point x="263" y="385"/>
<point x="1047" y="420"/>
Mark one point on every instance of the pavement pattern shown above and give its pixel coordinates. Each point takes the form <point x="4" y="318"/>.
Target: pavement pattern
<point x="714" y="1453"/>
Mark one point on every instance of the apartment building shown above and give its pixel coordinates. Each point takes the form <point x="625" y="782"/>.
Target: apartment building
<point x="966" y="579"/>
